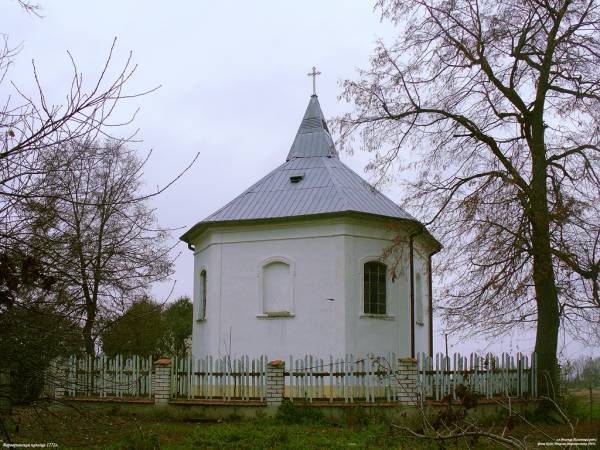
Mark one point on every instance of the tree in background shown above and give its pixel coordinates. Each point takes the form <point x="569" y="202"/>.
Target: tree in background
<point x="101" y="240"/>
<point x="139" y="331"/>
<point x="147" y="328"/>
<point x="498" y="104"/>
<point x="178" y="317"/>
<point x="583" y="372"/>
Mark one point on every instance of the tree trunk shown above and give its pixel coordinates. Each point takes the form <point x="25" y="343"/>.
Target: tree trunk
<point x="88" y="338"/>
<point x="548" y="322"/>
<point x="544" y="280"/>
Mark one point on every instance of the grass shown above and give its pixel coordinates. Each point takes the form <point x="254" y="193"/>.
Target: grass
<point x="293" y="428"/>
<point x="577" y="403"/>
<point x="84" y="428"/>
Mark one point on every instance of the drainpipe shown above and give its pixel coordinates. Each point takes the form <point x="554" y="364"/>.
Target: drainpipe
<point x="191" y="247"/>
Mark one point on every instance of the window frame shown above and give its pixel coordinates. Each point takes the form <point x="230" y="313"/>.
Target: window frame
<point x="380" y="264"/>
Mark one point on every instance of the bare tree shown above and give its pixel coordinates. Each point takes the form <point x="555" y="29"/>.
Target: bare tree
<point x="495" y="105"/>
<point x="101" y="240"/>
<point x="30" y="125"/>
<point x="36" y="324"/>
<point x="31" y="132"/>
<point x="39" y="290"/>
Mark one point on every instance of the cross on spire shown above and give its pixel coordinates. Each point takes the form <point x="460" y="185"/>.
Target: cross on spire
<point x="314" y="74"/>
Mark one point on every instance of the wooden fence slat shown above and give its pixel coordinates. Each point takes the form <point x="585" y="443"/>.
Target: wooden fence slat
<point x="310" y="378"/>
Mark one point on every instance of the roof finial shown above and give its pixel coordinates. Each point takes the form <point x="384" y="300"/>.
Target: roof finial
<point x="314" y="74"/>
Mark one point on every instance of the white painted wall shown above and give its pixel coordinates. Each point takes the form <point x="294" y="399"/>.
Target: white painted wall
<point x="325" y="259"/>
<point x="421" y="265"/>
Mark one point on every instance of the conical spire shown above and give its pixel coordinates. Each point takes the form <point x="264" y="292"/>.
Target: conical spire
<point x="313" y="138"/>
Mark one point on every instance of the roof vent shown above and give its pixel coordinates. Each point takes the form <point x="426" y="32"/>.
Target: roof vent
<point x="296" y="178"/>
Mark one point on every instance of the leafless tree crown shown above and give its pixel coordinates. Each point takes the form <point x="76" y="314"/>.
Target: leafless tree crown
<point x="495" y="106"/>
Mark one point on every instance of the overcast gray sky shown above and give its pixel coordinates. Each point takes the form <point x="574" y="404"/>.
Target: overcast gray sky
<point x="233" y="87"/>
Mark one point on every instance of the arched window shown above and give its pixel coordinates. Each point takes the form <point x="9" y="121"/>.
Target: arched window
<point x="202" y="296"/>
<point x="277" y="288"/>
<point x="374" y="288"/>
<point x="419" y="299"/>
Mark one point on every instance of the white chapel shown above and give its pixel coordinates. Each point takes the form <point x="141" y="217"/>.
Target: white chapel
<point x="294" y="265"/>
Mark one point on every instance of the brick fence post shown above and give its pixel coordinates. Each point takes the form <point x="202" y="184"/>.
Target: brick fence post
<point x="408" y="390"/>
<point x="275" y="382"/>
<point x="161" y="381"/>
<point x="5" y="391"/>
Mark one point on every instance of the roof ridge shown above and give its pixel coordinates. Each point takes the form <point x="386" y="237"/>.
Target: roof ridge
<point x="340" y="192"/>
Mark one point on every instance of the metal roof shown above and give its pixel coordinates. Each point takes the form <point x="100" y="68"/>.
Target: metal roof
<point x="313" y="138"/>
<point x="327" y="185"/>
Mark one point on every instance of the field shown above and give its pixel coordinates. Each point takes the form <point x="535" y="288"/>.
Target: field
<point x="295" y="428"/>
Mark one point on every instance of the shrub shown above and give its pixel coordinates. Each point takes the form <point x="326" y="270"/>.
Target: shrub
<point x="299" y="413"/>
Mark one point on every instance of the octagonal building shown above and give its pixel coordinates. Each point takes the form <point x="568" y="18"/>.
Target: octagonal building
<point x="294" y="265"/>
